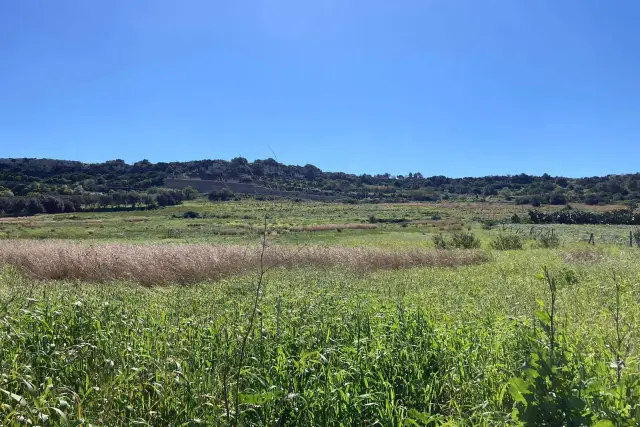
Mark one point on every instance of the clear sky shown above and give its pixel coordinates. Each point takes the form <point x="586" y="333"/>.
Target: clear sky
<point x="452" y="87"/>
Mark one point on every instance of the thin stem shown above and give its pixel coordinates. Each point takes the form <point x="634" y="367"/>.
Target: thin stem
<point x="256" y="300"/>
<point x="619" y="337"/>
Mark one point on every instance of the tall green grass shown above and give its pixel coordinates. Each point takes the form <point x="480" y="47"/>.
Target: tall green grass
<point x="329" y="347"/>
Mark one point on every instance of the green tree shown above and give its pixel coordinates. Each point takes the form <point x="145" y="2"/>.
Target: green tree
<point x="5" y="192"/>
<point x="190" y="193"/>
<point x="34" y="206"/>
<point x="52" y="204"/>
<point x="132" y="198"/>
<point x="220" y="195"/>
<point x="106" y="200"/>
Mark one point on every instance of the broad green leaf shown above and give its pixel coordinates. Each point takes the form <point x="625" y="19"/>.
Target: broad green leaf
<point x="518" y="388"/>
<point x="21" y="400"/>
<point x="420" y="416"/>
<point x="257" y="398"/>
<point x="60" y="414"/>
<point x="543" y="317"/>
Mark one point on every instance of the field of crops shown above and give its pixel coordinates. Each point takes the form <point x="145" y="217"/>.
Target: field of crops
<point x="319" y="323"/>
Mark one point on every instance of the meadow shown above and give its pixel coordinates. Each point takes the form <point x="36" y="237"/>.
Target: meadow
<point x="307" y="313"/>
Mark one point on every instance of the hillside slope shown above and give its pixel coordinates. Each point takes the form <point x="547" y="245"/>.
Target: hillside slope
<point x="22" y="177"/>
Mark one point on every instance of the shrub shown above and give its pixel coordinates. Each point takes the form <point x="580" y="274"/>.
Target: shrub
<point x="52" y="204"/>
<point x="557" y="199"/>
<point x="220" y="195"/>
<point x="547" y="392"/>
<point x="507" y="242"/>
<point x="69" y="206"/>
<point x="190" y="193"/>
<point x="548" y="239"/>
<point x="464" y="240"/>
<point x="34" y="206"/>
<point x="568" y="277"/>
<point x="592" y="199"/>
<point x="488" y="224"/>
<point x="191" y="214"/>
<point x="440" y="242"/>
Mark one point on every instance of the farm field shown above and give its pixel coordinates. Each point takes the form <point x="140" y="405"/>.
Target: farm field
<point x="309" y="313"/>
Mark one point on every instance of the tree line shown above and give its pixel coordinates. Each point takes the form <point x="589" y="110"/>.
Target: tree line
<point x="120" y="200"/>
<point x="24" y="177"/>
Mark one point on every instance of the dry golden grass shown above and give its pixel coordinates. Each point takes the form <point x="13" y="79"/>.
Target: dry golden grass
<point x="136" y="219"/>
<point x="583" y="255"/>
<point x="331" y="227"/>
<point x="156" y="264"/>
<point x="15" y="219"/>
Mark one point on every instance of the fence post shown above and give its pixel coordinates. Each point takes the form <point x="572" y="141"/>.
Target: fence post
<point x="592" y="239"/>
<point x="630" y="238"/>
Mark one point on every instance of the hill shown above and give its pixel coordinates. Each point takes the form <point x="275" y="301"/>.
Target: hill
<point x="29" y="177"/>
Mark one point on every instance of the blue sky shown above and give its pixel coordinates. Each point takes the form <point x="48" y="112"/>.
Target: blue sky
<point x="451" y="87"/>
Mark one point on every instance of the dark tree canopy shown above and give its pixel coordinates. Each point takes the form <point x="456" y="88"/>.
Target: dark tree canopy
<point x="25" y="178"/>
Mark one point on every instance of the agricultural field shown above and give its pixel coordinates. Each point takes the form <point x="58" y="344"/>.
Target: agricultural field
<point x="256" y="313"/>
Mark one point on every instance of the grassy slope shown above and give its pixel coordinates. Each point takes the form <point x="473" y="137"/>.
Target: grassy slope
<point x="242" y="222"/>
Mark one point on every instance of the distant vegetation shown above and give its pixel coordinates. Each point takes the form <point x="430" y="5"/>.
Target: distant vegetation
<point x="119" y="200"/>
<point x="566" y="216"/>
<point x="28" y="177"/>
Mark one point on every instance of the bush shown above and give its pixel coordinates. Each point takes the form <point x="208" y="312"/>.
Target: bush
<point x="34" y="206"/>
<point x="441" y="242"/>
<point x="52" y="204"/>
<point x="507" y="242"/>
<point x="592" y="199"/>
<point x="69" y="206"/>
<point x="548" y="240"/>
<point x="190" y="193"/>
<point x="191" y="214"/>
<point x="459" y="240"/>
<point x="464" y="240"/>
<point x="557" y="199"/>
<point x="488" y="224"/>
<point x="220" y="195"/>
